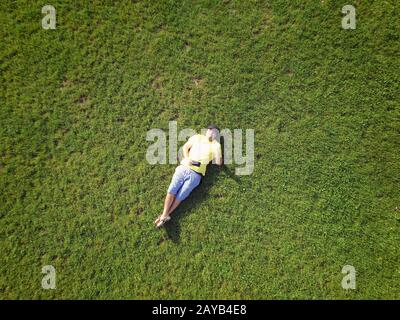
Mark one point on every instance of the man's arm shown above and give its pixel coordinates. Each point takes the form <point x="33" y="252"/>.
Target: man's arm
<point x="218" y="155"/>
<point x="186" y="147"/>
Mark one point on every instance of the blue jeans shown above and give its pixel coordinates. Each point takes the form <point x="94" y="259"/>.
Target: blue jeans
<point x="183" y="182"/>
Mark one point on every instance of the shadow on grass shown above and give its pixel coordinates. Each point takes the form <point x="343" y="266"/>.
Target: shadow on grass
<point x="195" y="199"/>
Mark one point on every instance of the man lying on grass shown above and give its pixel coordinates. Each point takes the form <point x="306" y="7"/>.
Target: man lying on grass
<point x="198" y="151"/>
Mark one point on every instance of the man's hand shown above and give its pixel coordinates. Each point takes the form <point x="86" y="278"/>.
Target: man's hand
<point x="186" y="161"/>
<point x="218" y="161"/>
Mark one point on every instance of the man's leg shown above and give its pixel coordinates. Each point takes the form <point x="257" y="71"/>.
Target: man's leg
<point x="184" y="192"/>
<point x="173" y="206"/>
<point x="169" y="200"/>
<point x="190" y="181"/>
<point x="176" y="183"/>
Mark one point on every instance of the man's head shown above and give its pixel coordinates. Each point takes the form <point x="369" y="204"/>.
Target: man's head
<point x="212" y="132"/>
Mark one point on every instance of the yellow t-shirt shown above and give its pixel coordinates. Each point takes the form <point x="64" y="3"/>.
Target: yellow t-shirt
<point x="202" y="151"/>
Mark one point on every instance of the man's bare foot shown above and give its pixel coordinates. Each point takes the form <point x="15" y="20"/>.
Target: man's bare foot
<point x="157" y="220"/>
<point x="162" y="220"/>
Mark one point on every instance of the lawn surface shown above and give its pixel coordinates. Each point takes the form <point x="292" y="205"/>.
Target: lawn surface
<point x="76" y="191"/>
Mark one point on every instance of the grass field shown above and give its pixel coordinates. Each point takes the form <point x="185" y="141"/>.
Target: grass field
<point x="76" y="191"/>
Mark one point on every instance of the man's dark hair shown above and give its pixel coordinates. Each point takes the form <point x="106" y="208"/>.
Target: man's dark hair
<point x="213" y="126"/>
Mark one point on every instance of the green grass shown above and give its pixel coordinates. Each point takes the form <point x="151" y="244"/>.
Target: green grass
<point x="77" y="193"/>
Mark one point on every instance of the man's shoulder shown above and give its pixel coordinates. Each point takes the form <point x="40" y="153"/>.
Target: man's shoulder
<point x="195" y="137"/>
<point x="201" y="137"/>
